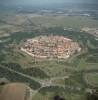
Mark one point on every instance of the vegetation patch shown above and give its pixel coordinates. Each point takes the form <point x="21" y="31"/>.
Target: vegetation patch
<point x="92" y="59"/>
<point x="91" y="79"/>
<point x="15" y="77"/>
<point x="33" y="72"/>
<point x="49" y="93"/>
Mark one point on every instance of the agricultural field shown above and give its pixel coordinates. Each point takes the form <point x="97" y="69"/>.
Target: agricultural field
<point x="11" y="22"/>
<point x="91" y="78"/>
<point x="68" y="78"/>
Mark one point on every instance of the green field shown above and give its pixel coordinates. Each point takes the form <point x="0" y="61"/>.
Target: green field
<point x="91" y="78"/>
<point x="49" y="92"/>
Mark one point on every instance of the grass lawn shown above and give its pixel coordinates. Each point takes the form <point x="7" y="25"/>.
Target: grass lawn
<point x="52" y="68"/>
<point x="59" y="81"/>
<point x="83" y="65"/>
<point x="91" y="79"/>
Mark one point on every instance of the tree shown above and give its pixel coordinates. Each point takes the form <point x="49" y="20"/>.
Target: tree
<point x="93" y="95"/>
<point x="57" y="97"/>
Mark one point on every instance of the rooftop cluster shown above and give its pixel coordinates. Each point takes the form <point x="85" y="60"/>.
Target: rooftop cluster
<point x="50" y="47"/>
